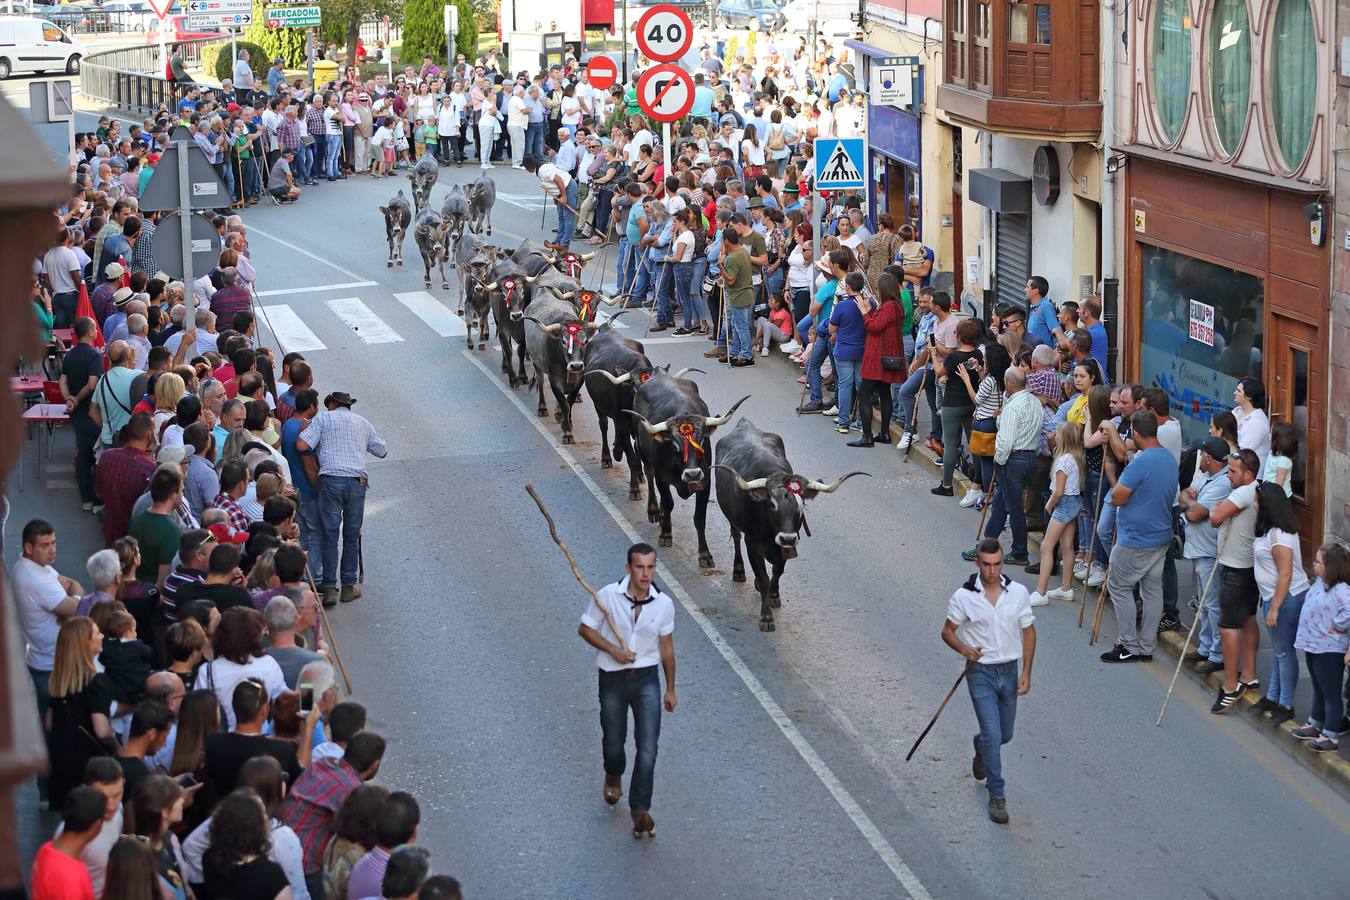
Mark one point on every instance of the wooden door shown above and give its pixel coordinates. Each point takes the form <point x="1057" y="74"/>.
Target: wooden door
<point x="1296" y="374"/>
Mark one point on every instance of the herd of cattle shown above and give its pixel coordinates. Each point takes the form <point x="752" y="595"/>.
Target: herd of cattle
<point x="662" y="427"/>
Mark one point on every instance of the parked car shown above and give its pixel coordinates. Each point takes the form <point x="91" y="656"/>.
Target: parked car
<point x="30" y="44"/>
<point x="697" y="10"/>
<point x="757" y="15"/>
<point x="131" y="15"/>
<point x="178" y="30"/>
<point x="832" y="17"/>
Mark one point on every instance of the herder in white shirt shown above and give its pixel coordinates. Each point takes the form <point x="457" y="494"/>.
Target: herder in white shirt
<point x="645" y="619"/>
<point x="989" y="622"/>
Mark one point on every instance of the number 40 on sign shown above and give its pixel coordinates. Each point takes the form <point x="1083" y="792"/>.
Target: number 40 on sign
<point x="665" y="33"/>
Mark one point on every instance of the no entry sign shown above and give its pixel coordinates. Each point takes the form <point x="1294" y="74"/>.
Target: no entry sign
<point x="665" y="33"/>
<point x="602" y="71"/>
<point x="666" y="93"/>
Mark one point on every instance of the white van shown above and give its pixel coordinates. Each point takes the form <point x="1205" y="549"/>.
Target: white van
<point x="29" y="44"/>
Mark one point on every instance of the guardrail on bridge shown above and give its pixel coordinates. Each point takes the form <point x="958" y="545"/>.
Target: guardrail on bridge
<point x="132" y="78"/>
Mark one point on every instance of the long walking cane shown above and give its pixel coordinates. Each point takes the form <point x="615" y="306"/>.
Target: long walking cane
<point x="945" y="700"/>
<point x="328" y="629"/>
<point x="1092" y="539"/>
<point x="1195" y="623"/>
<point x="993" y="483"/>
<point x="1101" y="601"/>
<point x="571" y="561"/>
<point x="914" y="423"/>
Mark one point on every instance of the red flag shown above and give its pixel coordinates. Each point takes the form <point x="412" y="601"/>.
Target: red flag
<point x="85" y="308"/>
<point x="126" y="272"/>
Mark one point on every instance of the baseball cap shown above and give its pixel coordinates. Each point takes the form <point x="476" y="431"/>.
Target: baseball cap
<point x="174" y="454"/>
<point x="278" y="60"/>
<point x="114" y="270"/>
<point x="1214" y="447"/>
<point x="232" y="107"/>
<point x="727" y="119"/>
<point x="224" y="535"/>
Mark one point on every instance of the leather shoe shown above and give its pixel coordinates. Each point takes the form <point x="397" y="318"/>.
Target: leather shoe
<point x="350" y="592"/>
<point x="643" y="824"/>
<point x="1206" y="667"/>
<point x="613" y="789"/>
<point x="860" y="442"/>
<point x="328" y="595"/>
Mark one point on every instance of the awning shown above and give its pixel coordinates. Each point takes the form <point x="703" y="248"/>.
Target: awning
<point x="1000" y="190"/>
<point x="869" y="50"/>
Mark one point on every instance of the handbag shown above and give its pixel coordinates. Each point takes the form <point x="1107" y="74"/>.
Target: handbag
<point x="892" y="363"/>
<point x="982" y="443"/>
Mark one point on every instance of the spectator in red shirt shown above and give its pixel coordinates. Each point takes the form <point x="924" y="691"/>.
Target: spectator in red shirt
<point x="233" y="297"/>
<point x="319" y="793"/>
<point x="58" y="871"/>
<point x="123" y="473"/>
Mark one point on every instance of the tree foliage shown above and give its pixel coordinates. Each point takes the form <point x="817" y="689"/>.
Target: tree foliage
<point x="466" y="41"/>
<point x="288" y="43"/>
<point x="342" y="18"/>
<point x="423" y="31"/>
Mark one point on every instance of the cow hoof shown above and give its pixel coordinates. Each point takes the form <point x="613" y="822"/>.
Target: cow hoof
<point x="738" y="576"/>
<point x="665" y="541"/>
<point x="400" y="262"/>
<point x="445" y="285"/>
<point x="460" y="312"/>
<point x="543" y="413"/>
<point x="568" y="439"/>
<point x="481" y="346"/>
<point x="653" y="516"/>
<point x="635" y="494"/>
<point x="606" y="462"/>
<point x="766" y="624"/>
<point x="389" y="264"/>
<point x="705" y="561"/>
<point x="557" y="416"/>
<point x="427" y="285"/>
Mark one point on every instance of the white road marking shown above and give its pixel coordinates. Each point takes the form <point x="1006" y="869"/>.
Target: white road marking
<point x="369" y="327"/>
<point x="316" y="288"/>
<point x="602" y="316"/>
<point x="303" y="252"/>
<point x="292" y="334"/>
<point x="892" y="860"/>
<point x="433" y="312"/>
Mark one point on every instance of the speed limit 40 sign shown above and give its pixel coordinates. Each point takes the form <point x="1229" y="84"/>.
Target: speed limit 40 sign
<point x="665" y="33"/>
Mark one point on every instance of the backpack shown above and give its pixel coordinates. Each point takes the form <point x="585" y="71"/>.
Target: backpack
<point x="776" y="139"/>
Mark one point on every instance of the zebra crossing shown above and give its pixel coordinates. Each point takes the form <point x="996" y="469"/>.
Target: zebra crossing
<point x="320" y="324"/>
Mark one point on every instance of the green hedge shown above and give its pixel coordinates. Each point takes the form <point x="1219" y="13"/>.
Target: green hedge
<point x="218" y="61"/>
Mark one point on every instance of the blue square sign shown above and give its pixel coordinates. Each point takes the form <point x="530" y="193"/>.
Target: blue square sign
<point x="840" y="163"/>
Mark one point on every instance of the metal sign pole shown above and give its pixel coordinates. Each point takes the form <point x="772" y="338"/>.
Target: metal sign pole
<point x="234" y="50"/>
<point x="309" y="58"/>
<point x="665" y="137"/>
<point x="185" y="226"/>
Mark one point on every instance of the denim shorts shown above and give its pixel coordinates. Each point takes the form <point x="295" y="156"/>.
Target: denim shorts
<point x="1067" y="509"/>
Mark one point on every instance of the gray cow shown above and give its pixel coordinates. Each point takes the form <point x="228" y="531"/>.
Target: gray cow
<point x="427" y="233"/>
<point x="556" y="341"/>
<point x="423" y="177"/>
<point x="397" y="216"/>
<point x="482" y="195"/>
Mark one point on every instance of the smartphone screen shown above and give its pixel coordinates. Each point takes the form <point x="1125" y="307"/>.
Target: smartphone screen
<point x="187" y="780"/>
<point x="306" y="698"/>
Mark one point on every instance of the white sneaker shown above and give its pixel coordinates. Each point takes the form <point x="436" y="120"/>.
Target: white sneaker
<point x="832" y="411"/>
<point x="1080" y="569"/>
<point x="1059" y="594"/>
<point x="517" y="166"/>
<point x="1096" y="576"/>
<point x="1039" y="599"/>
<point x="905" y="440"/>
<point x="485" y="166"/>
<point x="970" y="498"/>
<point x="790" y="347"/>
<point x="765" y="351"/>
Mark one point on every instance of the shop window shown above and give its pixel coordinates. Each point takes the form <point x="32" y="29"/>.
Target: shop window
<point x="1299" y="418"/>
<point x="1202" y="333"/>
<point x="1230" y="71"/>
<point x="1017" y="23"/>
<point x="1293" y="79"/>
<point x="1170" y="65"/>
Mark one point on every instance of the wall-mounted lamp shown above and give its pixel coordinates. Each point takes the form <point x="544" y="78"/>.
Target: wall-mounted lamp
<point x="1317" y="214"/>
<point x="1115" y="163"/>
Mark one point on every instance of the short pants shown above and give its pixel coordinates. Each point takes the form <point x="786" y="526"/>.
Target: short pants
<point x="1067" y="509"/>
<point x="1238" y="596"/>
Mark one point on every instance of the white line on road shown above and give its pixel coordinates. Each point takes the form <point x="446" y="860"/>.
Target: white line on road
<point x="363" y="321"/>
<point x="430" y="310"/>
<point x="902" y="872"/>
<point x="291" y="333"/>
<point x="302" y="251"/>
<point x="316" y="288"/>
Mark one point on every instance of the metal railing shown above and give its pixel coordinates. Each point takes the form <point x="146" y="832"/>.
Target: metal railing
<point x="79" y="20"/>
<point x="132" y="78"/>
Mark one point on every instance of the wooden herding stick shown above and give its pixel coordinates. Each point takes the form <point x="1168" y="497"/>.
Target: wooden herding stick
<point x="933" y="721"/>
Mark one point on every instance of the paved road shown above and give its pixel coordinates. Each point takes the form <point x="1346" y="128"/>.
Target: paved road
<point x="782" y="773"/>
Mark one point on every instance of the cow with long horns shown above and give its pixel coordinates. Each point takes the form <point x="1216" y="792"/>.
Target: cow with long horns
<point x="556" y="340"/>
<point x="506" y="294"/>
<point x="615" y="366"/>
<point x="764" y="500"/>
<point x="674" y="431"/>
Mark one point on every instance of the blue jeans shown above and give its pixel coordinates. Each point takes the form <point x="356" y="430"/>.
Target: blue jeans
<point x="699" y="271"/>
<point x="305" y="157"/>
<point x="226" y="172"/>
<point x="1012" y="477"/>
<point x="625" y="272"/>
<point x="993" y="693"/>
<point x="820" y="349"/>
<point x="1327" y="671"/>
<point x="740" y="331"/>
<point x="308" y="517"/>
<point x="1284" y="668"/>
<point x="1087" y="530"/>
<point x="639" y="689"/>
<point x="342" y="506"/>
<point x="846" y="387"/>
<point x="683" y="273"/>
<point x="567" y="220"/>
<point x="1106" y="527"/>
<point x="1208" y="643"/>
<point x="332" y="148"/>
<point x="252" y="184"/>
<point x="909" y="392"/>
<point x="986" y="463"/>
<point x="534" y="139"/>
<point x="665" y="290"/>
<point x="645" y="275"/>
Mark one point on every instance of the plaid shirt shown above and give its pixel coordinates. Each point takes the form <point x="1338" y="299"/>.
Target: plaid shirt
<point x="288" y="133"/>
<point x="143" y="254"/>
<point x="314" y="120"/>
<point x="102" y="302"/>
<point x="238" y="521"/>
<point x="341" y="439"/>
<point x="314" y="801"/>
<point x="227" y="301"/>
<point x="121" y="477"/>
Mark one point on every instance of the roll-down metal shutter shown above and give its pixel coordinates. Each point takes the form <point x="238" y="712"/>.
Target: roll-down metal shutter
<point x="1012" y="264"/>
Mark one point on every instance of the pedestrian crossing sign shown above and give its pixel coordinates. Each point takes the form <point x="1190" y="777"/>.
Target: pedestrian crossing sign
<point x="839" y="163"/>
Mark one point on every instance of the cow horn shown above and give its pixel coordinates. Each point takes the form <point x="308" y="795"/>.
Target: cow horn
<point x="687" y="369"/>
<point x="529" y="280"/>
<point x="831" y="488"/>
<point x="587" y="257"/>
<point x="547" y="329"/>
<point x="648" y="426"/>
<point x="714" y="421"/>
<point x="742" y="483"/>
<point x="610" y="321"/>
<point x="592" y="327"/>
<point x="621" y="379"/>
<point x="611" y="301"/>
<point x="491" y="287"/>
<point x="567" y="296"/>
<point x="551" y="260"/>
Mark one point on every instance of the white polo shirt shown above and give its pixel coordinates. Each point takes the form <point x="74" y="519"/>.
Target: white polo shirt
<point x="37" y="593"/>
<point x="996" y="628"/>
<point x="640" y="626"/>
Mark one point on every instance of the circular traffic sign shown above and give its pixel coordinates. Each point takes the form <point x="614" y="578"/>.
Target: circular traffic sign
<point x="665" y="33"/>
<point x="666" y="93"/>
<point x="603" y="73"/>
